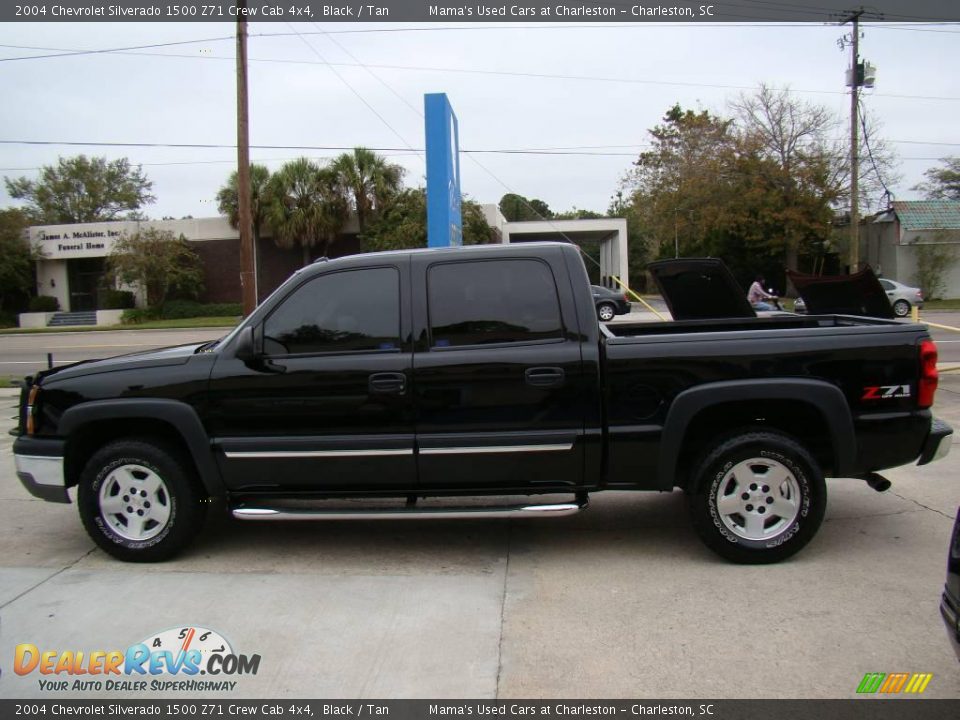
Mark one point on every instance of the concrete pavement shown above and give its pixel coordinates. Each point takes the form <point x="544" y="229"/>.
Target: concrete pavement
<point x="619" y="601"/>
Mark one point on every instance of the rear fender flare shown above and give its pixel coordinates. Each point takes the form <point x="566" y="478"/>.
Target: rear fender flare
<point x="828" y="399"/>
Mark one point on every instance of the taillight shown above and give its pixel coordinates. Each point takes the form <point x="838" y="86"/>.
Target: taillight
<point x="31" y="409"/>
<point x="927" y="385"/>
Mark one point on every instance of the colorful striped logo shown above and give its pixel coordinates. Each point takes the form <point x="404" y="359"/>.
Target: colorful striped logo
<point x="914" y="683"/>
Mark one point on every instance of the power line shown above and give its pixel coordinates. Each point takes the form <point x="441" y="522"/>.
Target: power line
<point x="416" y="68"/>
<point x="72" y="52"/>
<point x="508" y="151"/>
<point x="64" y="52"/>
<point x="352" y="89"/>
<point x="489" y="172"/>
<point x="374" y="75"/>
<point x="69" y="53"/>
<point x="533" y="75"/>
<point x="560" y="152"/>
<point x="866" y="143"/>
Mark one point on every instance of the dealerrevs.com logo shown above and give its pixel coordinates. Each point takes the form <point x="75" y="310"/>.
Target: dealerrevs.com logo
<point x="167" y="661"/>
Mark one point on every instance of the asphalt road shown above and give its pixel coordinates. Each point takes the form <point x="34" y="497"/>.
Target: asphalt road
<point x="621" y="600"/>
<point x="24" y="354"/>
<point x="27" y="353"/>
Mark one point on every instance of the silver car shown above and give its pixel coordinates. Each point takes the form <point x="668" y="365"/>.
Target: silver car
<point x="902" y="297"/>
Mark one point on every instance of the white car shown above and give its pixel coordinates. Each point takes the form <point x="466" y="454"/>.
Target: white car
<point x="902" y="297"/>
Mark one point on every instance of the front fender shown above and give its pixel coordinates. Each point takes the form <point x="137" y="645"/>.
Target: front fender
<point x="182" y="418"/>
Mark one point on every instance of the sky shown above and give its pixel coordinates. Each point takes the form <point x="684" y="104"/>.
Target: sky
<point x="595" y="88"/>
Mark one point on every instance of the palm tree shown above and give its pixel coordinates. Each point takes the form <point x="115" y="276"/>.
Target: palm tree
<point x="368" y="180"/>
<point x="305" y="206"/>
<point x="228" y="203"/>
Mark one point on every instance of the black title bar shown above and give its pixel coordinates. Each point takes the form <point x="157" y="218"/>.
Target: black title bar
<point x="531" y="709"/>
<point x="823" y="11"/>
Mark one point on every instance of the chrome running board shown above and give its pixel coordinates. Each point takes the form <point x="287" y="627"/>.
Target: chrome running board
<point x="243" y="512"/>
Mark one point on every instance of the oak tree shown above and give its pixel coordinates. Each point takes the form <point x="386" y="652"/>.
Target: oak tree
<point x="81" y="189"/>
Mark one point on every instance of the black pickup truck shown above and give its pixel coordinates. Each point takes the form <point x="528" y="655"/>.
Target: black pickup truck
<point x="366" y="384"/>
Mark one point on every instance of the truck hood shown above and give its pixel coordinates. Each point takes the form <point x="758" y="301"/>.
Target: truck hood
<point x="177" y="355"/>
<point x="857" y="294"/>
<point x="700" y="289"/>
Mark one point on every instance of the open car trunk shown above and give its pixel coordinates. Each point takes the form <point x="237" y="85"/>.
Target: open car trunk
<point x="700" y="289"/>
<point x="705" y="289"/>
<point x="857" y="294"/>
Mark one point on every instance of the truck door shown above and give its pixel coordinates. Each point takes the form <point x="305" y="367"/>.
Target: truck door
<point x="327" y="404"/>
<point x="498" y="378"/>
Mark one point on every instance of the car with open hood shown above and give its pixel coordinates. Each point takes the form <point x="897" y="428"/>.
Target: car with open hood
<point x="859" y="293"/>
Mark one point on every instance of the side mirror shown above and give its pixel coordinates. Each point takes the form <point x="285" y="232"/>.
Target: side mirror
<point x="246" y="351"/>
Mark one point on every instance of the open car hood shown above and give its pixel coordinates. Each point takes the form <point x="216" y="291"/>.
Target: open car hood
<point x="857" y="294"/>
<point x="700" y="289"/>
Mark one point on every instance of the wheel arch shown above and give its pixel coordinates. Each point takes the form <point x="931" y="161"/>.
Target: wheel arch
<point x="89" y="426"/>
<point x="813" y="411"/>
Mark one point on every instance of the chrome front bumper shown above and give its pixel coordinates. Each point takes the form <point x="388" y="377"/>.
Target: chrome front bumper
<point x="42" y="476"/>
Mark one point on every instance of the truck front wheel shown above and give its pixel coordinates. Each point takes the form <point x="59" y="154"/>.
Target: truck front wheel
<point x="757" y="497"/>
<point x="138" y="500"/>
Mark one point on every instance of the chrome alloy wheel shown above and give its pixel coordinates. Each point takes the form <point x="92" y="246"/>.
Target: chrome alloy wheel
<point x="758" y="499"/>
<point x="135" y="502"/>
<point x="606" y="313"/>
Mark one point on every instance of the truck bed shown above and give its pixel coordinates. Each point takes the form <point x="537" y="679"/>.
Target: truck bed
<point x="626" y="331"/>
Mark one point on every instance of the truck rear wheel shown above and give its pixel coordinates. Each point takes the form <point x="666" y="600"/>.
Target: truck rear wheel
<point x="758" y="497"/>
<point x="139" y="501"/>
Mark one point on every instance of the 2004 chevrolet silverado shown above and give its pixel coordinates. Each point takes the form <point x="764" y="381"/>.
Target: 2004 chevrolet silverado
<point x="482" y="371"/>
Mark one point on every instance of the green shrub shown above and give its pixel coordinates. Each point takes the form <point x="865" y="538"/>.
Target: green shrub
<point x="44" y="303"/>
<point x="138" y="315"/>
<point x="180" y="309"/>
<point x="115" y="299"/>
<point x="7" y="320"/>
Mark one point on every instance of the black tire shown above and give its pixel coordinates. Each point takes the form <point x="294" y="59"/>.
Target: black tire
<point x="757" y="497"/>
<point x="606" y="309"/>
<point x="178" y="500"/>
<point x="901" y="308"/>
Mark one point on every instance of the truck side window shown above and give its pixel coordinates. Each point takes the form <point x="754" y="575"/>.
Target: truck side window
<point x="347" y="311"/>
<point x="494" y="301"/>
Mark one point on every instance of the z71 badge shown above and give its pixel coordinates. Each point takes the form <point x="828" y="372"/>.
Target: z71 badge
<point x="885" y="392"/>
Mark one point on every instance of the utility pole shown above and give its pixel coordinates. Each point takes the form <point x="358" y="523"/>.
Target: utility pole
<point x="854" y="18"/>
<point x="861" y="75"/>
<point x="248" y="274"/>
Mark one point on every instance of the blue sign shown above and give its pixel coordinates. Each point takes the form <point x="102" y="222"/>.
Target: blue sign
<point x="444" y="222"/>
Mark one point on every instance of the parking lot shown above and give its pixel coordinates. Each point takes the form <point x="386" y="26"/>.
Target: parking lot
<point x="619" y="601"/>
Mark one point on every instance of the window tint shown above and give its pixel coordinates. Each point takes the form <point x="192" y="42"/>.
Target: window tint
<point x="886" y="285"/>
<point x="344" y="311"/>
<point x="496" y="301"/>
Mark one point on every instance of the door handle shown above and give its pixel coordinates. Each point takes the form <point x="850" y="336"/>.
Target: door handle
<point x="387" y="383"/>
<point x="544" y="376"/>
